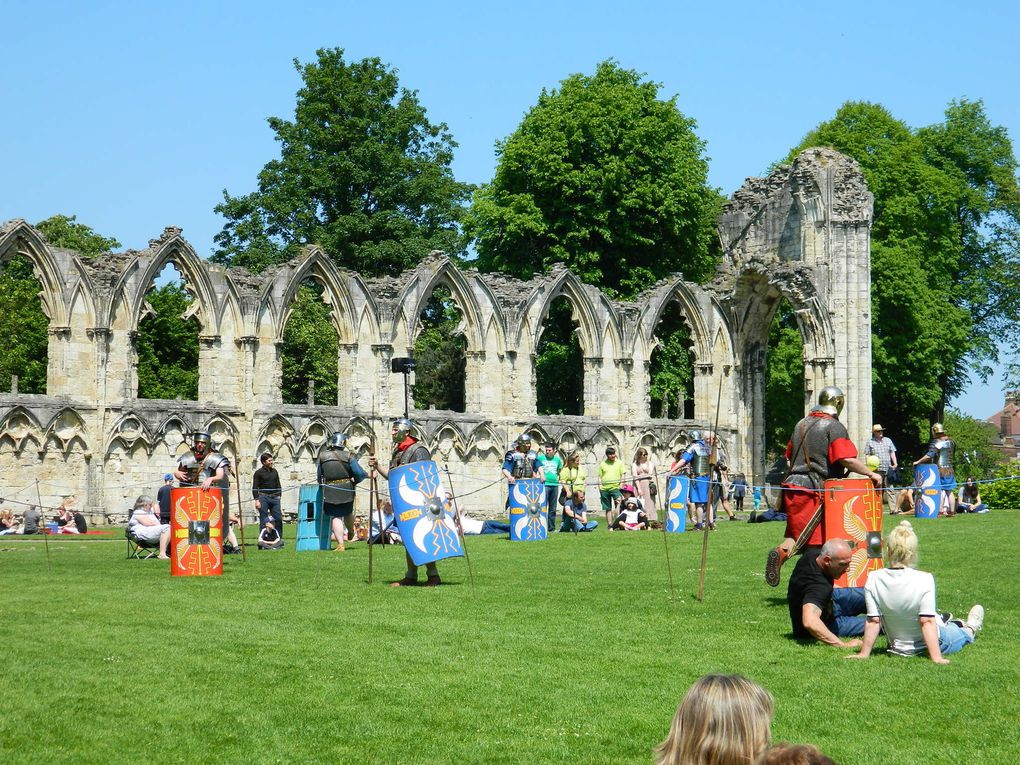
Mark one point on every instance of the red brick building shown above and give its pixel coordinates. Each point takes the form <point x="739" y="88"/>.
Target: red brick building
<point x="1007" y="422"/>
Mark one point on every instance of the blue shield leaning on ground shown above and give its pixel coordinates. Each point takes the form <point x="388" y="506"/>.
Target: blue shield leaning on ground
<point x="528" y="514"/>
<point x="929" y="499"/>
<point x="425" y="523"/>
<point x="676" y="503"/>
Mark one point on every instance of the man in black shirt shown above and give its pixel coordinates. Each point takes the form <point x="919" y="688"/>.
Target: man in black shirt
<point x="266" y="489"/>
<point x="163" y="498"/>
<point x="816" y="609"/>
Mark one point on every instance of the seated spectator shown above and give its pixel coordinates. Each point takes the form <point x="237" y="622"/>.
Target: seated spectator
<point x="970" y="498"/>
<point x="269" y="537"/>
<point x="904" y="502"/>
<point x="628" y="492"/>
<point x="30" y="521"/>
<point x="901" y="600"/>
<point x="390" y="534"/>
<point x="817" y="609"/>
<point x="66" y="519"/>
<point x="795" y="754"/>
<point x="722" y="720"/>
<point x="631" y="517"/>
<point x="575" y="514"/>
<point x="144" y="525"/>
<point x="8" y="524"/>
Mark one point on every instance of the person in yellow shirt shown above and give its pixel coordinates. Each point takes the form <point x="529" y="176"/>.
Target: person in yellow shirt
<point x="572" y="478"/>
<point x="611" y="472"/>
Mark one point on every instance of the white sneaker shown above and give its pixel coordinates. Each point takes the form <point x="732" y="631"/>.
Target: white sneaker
<point x="975" y="619"/>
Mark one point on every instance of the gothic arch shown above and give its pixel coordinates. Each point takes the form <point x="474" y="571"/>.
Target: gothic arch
<point x="65" y="428"/>
<point x="567" y="285"/>
<point x="171" y="250"/>
<point x="316" y="265"/>
<point x="277" y="433"/>
<point x="44" y="267"/>
<point x="423" y="285"/>
<point x="683" y="294"/>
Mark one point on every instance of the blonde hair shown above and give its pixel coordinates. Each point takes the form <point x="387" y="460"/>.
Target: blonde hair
<point x="722" y="720"/>
<point x="901" y="546"/>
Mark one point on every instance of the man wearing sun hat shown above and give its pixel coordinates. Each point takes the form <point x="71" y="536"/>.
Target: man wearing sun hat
<point x="885" y="450"/>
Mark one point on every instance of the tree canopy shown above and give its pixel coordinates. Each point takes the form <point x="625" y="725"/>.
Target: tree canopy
<point x="440" y="352"/>
<point x="167" y="346"/>
<point x="945" y="262"/>
<point x="605" y="177"/>
<point x="362" y="173"/>
<point x="310" y="349"/>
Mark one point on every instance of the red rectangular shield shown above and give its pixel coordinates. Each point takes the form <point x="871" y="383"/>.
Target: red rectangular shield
<point x="853" y="511"/>
<point x="196" y="532"/>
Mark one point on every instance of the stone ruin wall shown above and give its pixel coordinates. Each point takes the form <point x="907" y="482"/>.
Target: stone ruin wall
<point x="802" y="233"/>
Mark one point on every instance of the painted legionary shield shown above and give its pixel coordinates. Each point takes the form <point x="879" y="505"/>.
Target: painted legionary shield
<point x="528" y="512"/>
<point x="929" y="485"/>
<point x="196" y="529"/>
<point x="423" y="518"/>
<point x="676" y="503"/>
<point x="853" y="511"/>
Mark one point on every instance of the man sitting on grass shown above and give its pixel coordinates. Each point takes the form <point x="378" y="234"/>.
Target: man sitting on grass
<point x="819" y="611"/>
<point x="575" y="514"/>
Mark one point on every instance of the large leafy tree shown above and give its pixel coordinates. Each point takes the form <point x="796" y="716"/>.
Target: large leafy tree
<point x="784" y="379"/>
<point x="440" y="351"/>
<point x="362" y="172"/>
<point x="22" y="321"/>
<point x="944" y="252"/>
<point x="604" y="176"/>
<point x="310" y="349"/>
<point x="167" y="346"/>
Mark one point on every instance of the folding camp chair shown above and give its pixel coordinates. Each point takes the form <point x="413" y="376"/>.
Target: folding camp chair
<point x="140" y="549"/>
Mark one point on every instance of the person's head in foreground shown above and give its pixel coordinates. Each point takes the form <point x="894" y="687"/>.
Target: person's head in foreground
<point x="901" y="546"/>
<point x="722" y="720"/>
<point x="795" y="754"/>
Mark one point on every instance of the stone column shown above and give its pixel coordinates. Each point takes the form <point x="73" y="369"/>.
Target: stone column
<point x="592" y="386"/>
<point x="348" y="393"/>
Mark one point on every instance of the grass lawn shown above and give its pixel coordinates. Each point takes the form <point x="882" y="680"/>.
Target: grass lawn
<point x="564" y="651"/>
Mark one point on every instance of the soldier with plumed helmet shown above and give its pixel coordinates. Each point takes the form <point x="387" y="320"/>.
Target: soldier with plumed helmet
<point x="698" y="455"/>
<point x="940" y="453"/>
<point x="338" y="473"/>
<point x="407" y="449"/>
<point x="204" y="467"/>
<point x="820" y="448"/>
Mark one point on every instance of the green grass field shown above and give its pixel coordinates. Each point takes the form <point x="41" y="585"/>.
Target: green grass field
<point x="564" y="651"/>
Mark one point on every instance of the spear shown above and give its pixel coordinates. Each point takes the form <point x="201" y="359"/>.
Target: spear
<point x="42" y="515"/>
<point x="708" y="508"/>
<point x="240" y="512"/>
<point x="373" y="494"/>
<point x="460" y="527"/>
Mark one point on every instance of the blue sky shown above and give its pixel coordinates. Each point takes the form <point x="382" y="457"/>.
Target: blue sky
<point x="136" y="116"/>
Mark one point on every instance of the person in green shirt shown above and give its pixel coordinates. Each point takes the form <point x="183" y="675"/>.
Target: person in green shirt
<point x="611" y="472"/>
<point x="549" y="466"/>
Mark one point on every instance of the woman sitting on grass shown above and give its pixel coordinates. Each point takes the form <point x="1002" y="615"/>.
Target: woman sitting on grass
<point x="722" y="720"/>
<point x="902" y="600"/>
<point x="8" y="523"/>
<point x="144" y="526"/>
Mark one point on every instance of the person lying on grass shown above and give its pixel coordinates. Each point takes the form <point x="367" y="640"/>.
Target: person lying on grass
<point x="902" y="600"/>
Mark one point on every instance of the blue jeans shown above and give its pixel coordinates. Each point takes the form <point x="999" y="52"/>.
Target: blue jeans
<point x="848" y="611"/>
<point x="953" y="637"/>
<point x="552" y="494"/>
<point x="574" y="524"/>
<point x="964" y="508"/>
<point x="495" y="527"/>
<point x="269" y="505"/>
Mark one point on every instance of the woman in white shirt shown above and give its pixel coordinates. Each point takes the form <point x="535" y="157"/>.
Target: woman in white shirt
<point x="901" y="600"/>
<point x="145" y="525"/>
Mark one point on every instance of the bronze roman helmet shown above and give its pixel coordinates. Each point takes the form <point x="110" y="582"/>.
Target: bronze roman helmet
<point x="830" y="400"/>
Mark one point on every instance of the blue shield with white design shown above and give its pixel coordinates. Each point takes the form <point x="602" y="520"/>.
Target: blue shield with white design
<point x="426" y="525"/>
<point x="528" y="511"/>
<point x="677" y="489"/>
<point x="929" y="498"/>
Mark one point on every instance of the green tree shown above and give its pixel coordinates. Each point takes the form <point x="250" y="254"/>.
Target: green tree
<point x="440" y="353"/>
<point x="64" y="231"/>
<point x="167" y="346"/>
<point x="362" y="172"/>
<point x="22" y="320"/>
<point x="310" y="349"/>
<point x="975" y="454"/>
<point x="671" y="370"/>
<point x="784" y="380"/>
<point x="559" y="363"/>
<point x="944" y="252"/>
<point x="605" y="177"/>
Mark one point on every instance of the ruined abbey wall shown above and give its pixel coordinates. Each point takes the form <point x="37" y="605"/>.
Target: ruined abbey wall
<point x="802" y="233"/>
